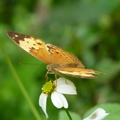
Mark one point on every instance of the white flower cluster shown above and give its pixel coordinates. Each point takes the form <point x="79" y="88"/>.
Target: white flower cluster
<point x="56" y="88"/>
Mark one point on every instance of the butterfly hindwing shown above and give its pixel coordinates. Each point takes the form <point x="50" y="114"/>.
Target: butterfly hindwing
<point x="78" y="72"/>
<point x="62" y="57"/>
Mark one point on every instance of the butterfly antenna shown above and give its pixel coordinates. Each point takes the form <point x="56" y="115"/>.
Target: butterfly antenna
<point x="28" y="64"/>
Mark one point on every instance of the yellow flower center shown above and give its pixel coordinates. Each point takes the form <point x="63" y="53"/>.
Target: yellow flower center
<point x="48" y="87"/>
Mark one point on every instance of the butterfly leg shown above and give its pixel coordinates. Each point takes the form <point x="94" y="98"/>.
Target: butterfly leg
<point x="46" y="76"/>
<point x="56" y="76"/>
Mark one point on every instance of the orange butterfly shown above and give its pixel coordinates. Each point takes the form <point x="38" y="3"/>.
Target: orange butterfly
<point x="58" y="60"/>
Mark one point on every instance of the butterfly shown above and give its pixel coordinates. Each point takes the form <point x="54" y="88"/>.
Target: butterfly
<point x="58" y="60"/>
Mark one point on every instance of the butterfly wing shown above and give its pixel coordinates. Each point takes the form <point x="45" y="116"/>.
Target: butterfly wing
<point x="77" y="72"/>
<point x="34" y="46"/>
<point x="66" y="62"/>
<point x="63" y="58"/>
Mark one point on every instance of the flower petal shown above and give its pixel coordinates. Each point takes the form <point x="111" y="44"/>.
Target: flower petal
<point x="43" y="102"/>
<point x="65" y="86"/>
<point x="59" y="100"/>
<point x="66" y="89"/>
<point x="62" y="81"/>
<point x="98" y="114"/>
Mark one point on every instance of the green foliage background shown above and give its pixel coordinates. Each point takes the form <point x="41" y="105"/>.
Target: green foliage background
<point x="90" y="29"/>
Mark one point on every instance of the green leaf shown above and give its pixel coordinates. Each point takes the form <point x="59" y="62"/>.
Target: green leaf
<point x="63" y="116"/>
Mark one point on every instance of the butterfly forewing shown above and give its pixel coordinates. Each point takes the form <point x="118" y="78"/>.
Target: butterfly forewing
<point x="32" y="45"/>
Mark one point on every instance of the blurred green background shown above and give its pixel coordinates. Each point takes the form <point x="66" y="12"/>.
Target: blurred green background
<point x="90" y="29"/>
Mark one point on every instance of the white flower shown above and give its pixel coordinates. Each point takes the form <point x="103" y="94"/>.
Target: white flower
<point x="98" y="114"/>
<point x="56" y="88"/>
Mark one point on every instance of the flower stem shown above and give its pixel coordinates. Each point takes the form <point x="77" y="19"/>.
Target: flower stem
<point x="21" y="86"/>
<point x="69" y="116"/>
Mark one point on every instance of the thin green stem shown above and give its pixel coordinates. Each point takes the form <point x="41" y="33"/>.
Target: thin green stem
<point x="21" y="86"/>
<point x="69" y="116"/>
